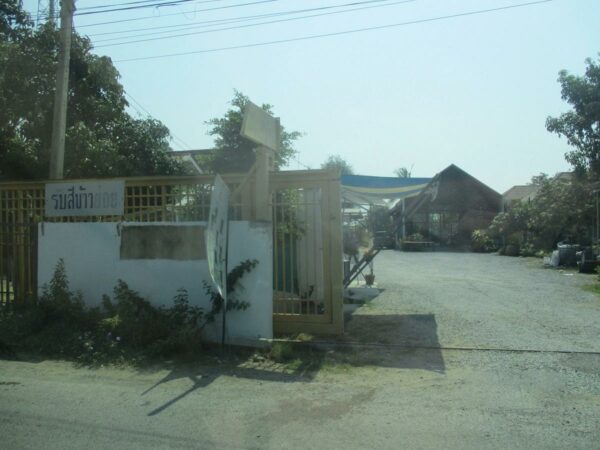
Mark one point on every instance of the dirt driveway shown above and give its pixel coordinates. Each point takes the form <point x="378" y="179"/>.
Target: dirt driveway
<point x="479" y="301"/>
<point x="381" y="395"/>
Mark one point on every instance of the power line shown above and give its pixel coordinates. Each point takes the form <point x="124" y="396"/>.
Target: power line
<point x="238" y="5"/>
<point x="244" y="26"/>
<point x="215" y="22"/>
<point x="157" y="5"/>
<point x="176" y="138"/>
<point x="86" y="8"/>
<point x="129" y="8"/>
<point x="339" y="33"/>
<point x="301" y="163"/>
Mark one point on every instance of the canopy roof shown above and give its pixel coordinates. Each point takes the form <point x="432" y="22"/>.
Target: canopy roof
<point x="367" y="190"/>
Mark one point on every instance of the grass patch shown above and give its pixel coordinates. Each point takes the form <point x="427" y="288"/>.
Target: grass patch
<point x="595" y="288"/>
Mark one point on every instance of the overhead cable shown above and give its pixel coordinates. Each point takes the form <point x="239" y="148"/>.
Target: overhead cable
<point x="87" y="8"/>
<point x="237" y="5"/>
<point x="181" y="142"/>
<point x="214" y="22"/>
<point x="236" y="27"/>
<point x="338" y="33"/>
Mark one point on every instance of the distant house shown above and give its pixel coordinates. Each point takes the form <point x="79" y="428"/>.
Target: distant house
<point x="519" y="194"/>
<point x="447" y="209"/>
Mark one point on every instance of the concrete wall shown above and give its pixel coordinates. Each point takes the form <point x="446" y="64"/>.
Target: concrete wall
<point x="91" y="252"/>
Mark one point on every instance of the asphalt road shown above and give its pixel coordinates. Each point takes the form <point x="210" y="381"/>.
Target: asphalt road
<point x="381" y="395"/>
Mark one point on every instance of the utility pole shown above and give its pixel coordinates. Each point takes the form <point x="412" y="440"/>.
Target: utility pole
<point x="51" y="12"/>
<point x="59" y="122"/>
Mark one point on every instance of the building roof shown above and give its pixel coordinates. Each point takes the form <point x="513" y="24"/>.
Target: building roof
<point x="520" y="192"/>
<point x="432" y="193"/>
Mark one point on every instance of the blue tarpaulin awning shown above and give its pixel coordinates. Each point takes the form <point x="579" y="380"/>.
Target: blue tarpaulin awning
<point x="369" y="190"/>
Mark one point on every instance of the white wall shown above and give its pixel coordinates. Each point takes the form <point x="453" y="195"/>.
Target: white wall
<point x="91" y="252"/>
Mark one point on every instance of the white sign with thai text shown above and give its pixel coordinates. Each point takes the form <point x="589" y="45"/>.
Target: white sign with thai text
<point x="216" y="236"/>
<point x="85" y="198"/>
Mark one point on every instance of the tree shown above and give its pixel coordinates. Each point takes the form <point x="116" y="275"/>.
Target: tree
<point x="402" y="172"/>
<point x="337" y="162"/>
<point x="234" y="153"/>
<point x="102" y="139"/>
<point x="581" y="126"/>
<point x="562" y="209"/>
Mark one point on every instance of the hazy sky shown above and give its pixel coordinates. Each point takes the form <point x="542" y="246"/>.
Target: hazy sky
<point x="473" y="90"/>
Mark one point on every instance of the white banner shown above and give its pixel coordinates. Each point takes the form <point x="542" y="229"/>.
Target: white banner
<point x="216" y="236"/>
<point x="85" y="198"/>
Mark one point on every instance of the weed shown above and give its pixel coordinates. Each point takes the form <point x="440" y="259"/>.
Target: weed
<point x="282" y="352"/>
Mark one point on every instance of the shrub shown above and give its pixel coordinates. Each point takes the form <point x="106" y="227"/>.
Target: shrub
<point x="51" y="324"/>
<point x="126" y="328"/>
<point x="481" y="242"/>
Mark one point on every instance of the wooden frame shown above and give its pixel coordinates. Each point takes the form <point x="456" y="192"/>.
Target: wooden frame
<point x="177" y="199"/>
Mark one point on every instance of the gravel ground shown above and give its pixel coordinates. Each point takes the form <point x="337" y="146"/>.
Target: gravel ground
<point x="481" y="301"/>
<point x="379" y="395"/>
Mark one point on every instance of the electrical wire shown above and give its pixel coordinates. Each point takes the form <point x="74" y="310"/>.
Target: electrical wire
<point x="155" y="5"/>
<point x="86" y="8"/>
<point x="130" y="8"/>
<point x="215" y="22"/>
<point x="239" y="26"/>
<point x="338" y="33"/>
<point x="181" y="142"/>
<point x="237" y="5"/>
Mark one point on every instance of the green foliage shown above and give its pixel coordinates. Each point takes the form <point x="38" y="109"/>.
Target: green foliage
<point x="402" y="172"/>
<point x="481" y="242"/>
<point x="51" y="324"/>
<point x="137" y="325"/>
<point x="234" y="153"/>
<point x="102" y="139"/>
<point x="282" y="352"/>
<point x="233" y="302"/>
<point x="337" y="162"/>
<point x="126" y="328"/>
<point x="14" y="21"/>
<point x="581" y="126"/>
<point x="562" y="210"/>
<point x="288" y="203"/>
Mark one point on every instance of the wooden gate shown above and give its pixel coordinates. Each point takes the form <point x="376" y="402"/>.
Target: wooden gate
<point x="18" y="243"/>
<point x="307" y="252"/>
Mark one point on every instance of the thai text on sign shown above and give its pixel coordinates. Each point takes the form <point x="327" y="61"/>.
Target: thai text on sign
<point x="85" y="198"/>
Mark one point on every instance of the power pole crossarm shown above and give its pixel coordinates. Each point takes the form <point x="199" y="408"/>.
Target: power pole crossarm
<point x="59" y="123"/>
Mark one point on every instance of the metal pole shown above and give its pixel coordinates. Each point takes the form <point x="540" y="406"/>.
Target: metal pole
<point x="597" y="239"/>
<point x="59" y="123"/>
<point x="224" y="322"/>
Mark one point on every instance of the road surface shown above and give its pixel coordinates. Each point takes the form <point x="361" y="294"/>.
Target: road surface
<point x="410" y="386"/>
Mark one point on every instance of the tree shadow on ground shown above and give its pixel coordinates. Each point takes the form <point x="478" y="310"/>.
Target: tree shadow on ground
<point x="298" y="367"/>
<point x="406" y="341"/>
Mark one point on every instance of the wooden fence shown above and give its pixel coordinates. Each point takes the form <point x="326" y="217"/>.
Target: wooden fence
<point x="307" y="252"/>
